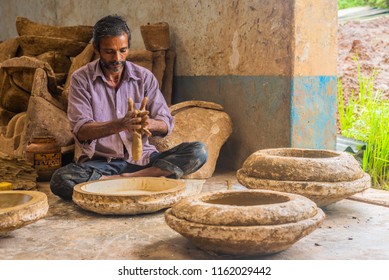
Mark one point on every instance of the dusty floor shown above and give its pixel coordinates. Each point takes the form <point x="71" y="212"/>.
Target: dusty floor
<point x="351" y="230"/>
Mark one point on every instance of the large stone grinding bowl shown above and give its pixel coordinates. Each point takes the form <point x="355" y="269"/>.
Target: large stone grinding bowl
<point x="20" y="208"/>
<point x="324" y="176"/>
<point x="244" y="223"/>
<point x="128" y="196"/>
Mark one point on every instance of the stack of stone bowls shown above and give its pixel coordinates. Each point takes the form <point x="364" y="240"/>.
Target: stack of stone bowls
<point x="244" y="223"/>
<point x="323" y="176"/>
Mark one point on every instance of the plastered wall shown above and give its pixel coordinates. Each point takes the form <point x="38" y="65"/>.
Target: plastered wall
<point x="257" y="58"/>
<point x="211" y="37"/>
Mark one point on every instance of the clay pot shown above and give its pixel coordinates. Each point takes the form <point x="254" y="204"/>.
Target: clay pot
<point x="244" y="223"/>
<point x="128" y="196"/>
<point x="45" y="155"/>
<point x="322" y="175"/>
<point x="20" y="208"/>
<point x="156" y="36"/>
<point x="198" y="121"/>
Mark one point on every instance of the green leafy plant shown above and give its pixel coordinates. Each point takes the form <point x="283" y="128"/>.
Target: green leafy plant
<point x="365" y="117"/>
<point x="344" y="4"/>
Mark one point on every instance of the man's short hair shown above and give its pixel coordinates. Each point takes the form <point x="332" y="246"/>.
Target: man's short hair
<point x="110" y="26"/>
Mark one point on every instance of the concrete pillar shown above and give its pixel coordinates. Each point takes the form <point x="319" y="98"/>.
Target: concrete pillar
<point x="273" y="68"/>
<point x="314" y="77"/>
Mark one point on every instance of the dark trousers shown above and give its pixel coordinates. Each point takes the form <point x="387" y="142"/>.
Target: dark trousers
<point x="183" y="159"/>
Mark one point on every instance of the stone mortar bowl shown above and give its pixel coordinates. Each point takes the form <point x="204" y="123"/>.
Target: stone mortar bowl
<point x="20" y="208"/>
<point x="324" y="176"/>
<point x="244" y="223"/>
<point x="128" y="196"/>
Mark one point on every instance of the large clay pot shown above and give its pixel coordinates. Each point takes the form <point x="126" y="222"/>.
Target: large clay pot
<point x="198" y="121"/>
<point x="244" y="223"/>
<point x="322" y="175"/>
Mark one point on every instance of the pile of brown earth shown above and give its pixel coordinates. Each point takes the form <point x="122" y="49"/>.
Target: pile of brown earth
<point x="369" y="41"/>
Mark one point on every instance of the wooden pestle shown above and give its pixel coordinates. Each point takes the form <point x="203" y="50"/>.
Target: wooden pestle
<point x="136" y="148"/>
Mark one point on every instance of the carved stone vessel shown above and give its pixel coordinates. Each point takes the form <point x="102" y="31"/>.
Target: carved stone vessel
<point x="198" y="121"/>
<point x="20" y="208"/>
<point x="244" y="223"/>
<point x="324" y="176"/>
<point x="128" y="196"/>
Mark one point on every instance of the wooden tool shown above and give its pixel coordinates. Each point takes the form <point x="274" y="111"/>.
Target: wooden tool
<point x="136" y="147"/>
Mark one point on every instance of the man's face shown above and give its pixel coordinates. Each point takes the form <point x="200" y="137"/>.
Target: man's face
<point x="113" y="52"/>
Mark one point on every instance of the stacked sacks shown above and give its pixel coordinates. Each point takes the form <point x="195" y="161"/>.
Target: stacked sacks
<point x="33" y="71"/>
<point x="17" y="93"/>
<point x="8" y="49"/>
<point x="36" y="39"/>
<point x="55" y="45"/>
<point x="323" y="176"/>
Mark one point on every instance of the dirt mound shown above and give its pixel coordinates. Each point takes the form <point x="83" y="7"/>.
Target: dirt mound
<point x="369" y="41"/>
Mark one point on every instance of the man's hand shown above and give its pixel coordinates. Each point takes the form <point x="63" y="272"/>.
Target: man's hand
<point x="137" y="120"/>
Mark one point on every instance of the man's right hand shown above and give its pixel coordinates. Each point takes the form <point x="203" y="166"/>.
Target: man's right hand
<point x="132" y="121"/>
<point x="138" y="118"/>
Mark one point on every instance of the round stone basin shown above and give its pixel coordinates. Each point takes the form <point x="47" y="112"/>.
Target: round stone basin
<point x="19" y="208"/>
<point x="246" y="199"/>
<point x="323" y="176"/>
<point x="245" y="223"/>
<point x="128" y="196"/>
<point x="10" y="200"/>
<point x="302" y="153"/>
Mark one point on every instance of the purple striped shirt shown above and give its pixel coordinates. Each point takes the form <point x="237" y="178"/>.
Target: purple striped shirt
<point x="92" y="100"/>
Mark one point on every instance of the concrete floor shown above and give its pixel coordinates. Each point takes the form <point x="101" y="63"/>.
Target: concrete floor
<point x="352" y="230"/>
